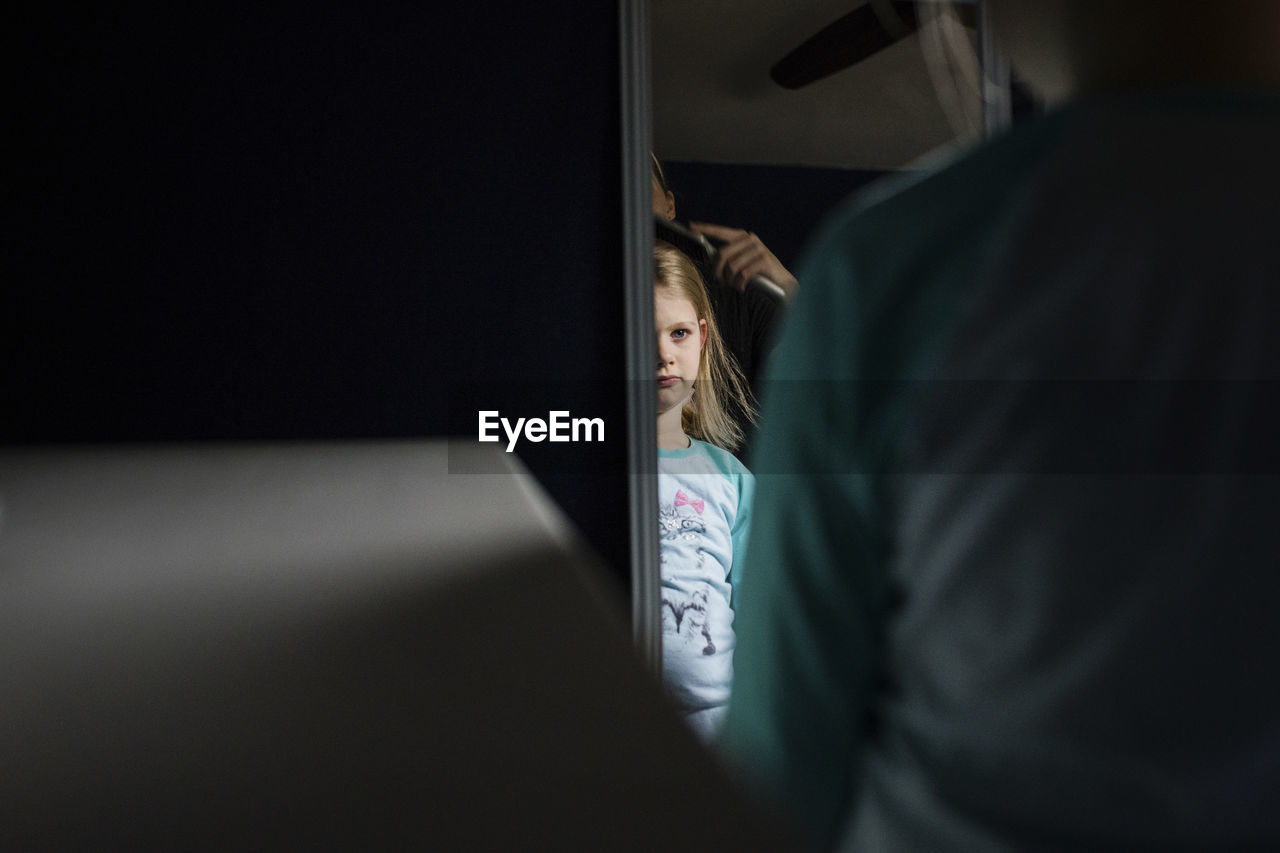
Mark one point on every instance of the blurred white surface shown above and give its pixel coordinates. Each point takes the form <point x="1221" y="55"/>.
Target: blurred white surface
<point x="330" y="645"/>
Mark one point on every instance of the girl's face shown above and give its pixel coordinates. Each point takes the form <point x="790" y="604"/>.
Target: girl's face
<point x="681" y="336"/>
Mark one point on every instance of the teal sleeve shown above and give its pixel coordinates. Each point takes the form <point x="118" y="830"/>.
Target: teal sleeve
<point x="746" y="484"/>
<point x="813" y="591"/>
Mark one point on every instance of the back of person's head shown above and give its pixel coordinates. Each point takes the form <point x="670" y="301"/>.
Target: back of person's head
<point x="720" y="381"/>
<point x="1068" y="47"/>
<point x="664" y="200"/>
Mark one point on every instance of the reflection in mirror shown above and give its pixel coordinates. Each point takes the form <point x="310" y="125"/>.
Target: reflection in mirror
<point x="766" y="115"/>
<point x="704" y="491"/>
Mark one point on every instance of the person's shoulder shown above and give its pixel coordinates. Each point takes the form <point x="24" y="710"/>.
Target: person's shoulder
<point x="891" y="231"/>
<point x="953" y="183"/>
<point x="939" y="189"/>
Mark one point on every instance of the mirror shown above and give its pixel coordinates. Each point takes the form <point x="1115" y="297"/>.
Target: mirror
<point x="765" y="116"/>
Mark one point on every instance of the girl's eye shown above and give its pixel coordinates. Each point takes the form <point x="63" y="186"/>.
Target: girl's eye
<point x="680" y="334"/>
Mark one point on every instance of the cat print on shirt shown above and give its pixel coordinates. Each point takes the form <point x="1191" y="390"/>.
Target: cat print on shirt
<point x="689" y="617"/>
<point x="685" y="616"/>
<point x="680" y="520"/>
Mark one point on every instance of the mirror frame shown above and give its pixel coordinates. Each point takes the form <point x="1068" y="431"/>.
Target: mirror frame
<point x="637" y="251"/>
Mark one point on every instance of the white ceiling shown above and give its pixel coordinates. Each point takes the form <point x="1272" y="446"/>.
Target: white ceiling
<point x="713" y="99"/>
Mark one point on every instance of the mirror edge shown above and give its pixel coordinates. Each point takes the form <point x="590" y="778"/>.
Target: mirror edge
<point x="637" y="249"/>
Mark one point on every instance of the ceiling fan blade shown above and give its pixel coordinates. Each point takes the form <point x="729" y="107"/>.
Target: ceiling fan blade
<point x="844" y="42"/>
<point x="850" y="39"/>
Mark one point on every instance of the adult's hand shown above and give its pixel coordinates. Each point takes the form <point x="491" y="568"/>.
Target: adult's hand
<point x="744" y="256"/>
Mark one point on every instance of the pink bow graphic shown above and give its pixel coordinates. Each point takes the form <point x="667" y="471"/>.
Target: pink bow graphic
<point x="683" y="500"/>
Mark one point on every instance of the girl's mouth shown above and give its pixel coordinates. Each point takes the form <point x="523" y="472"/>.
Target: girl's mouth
<point x="667" y="381"/>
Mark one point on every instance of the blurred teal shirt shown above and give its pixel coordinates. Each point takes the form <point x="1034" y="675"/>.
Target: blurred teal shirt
<point x="1017" y="586"/>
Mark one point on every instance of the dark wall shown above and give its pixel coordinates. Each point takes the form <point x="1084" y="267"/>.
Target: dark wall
<point x="325" y="222"/>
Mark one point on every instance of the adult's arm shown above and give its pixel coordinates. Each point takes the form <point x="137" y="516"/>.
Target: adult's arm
<point x="742" y="256"/>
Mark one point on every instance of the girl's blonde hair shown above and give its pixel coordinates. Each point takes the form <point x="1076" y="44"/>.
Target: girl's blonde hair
<point x="659" y="174"/>
<point x="720" y="382"/>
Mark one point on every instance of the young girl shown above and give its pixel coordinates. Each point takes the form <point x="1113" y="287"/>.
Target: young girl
<point x="704" y="492"/>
